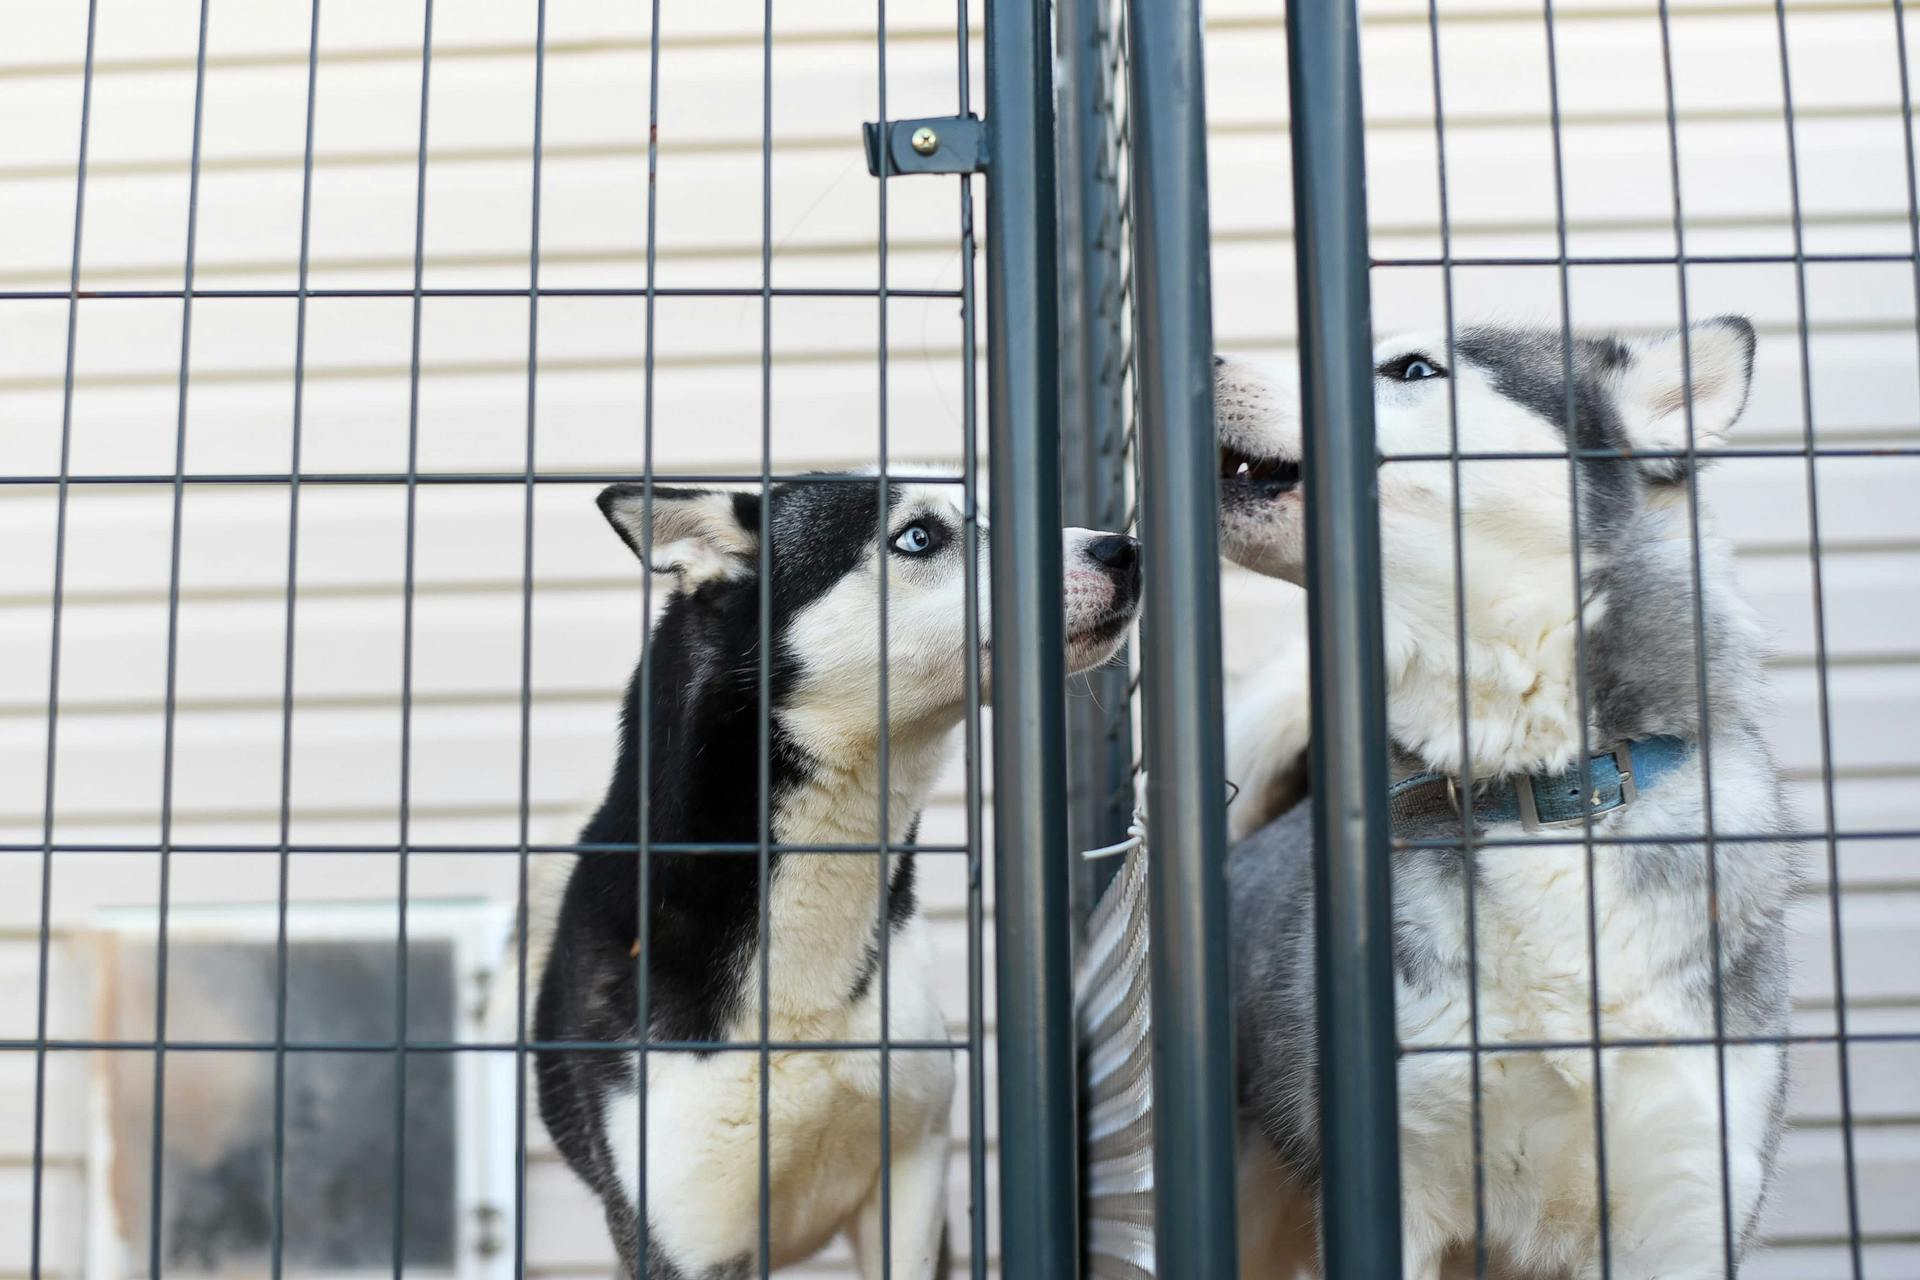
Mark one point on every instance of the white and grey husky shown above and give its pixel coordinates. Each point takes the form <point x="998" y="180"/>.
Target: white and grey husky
<point x="703" y="959"/>
<point x="1659" y="898"/>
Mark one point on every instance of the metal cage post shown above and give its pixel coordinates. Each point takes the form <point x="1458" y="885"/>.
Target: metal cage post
<point x="1093" y="427"/>
<point x="1193" y="1078"/>
<point x="1360" y="1190"/>
<point x="1038" y="1094"/>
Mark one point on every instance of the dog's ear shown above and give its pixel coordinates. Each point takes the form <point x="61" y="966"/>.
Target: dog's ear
<point x="700" y="534"/>
<point x="1707" y="367"/>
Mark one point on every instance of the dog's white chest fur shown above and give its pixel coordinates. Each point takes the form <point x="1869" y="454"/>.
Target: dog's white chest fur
<point x="1535" y="962"/>
<point x="823" y="1131"/>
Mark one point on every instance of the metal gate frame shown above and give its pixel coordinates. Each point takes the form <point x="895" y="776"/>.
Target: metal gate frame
<point x="1161" y="215"/>
<point x="1181" y="679"/>
<point x="1359" y="1046"/>
<point x="1162" y="219"/>
<point x="1180" y="675"/>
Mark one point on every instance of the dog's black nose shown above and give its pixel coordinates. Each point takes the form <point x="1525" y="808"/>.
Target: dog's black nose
<point x="1118" y="553"/>
<point x="1218" y="361"/>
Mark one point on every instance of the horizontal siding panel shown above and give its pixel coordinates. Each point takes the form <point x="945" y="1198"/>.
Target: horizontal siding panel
<point x="1877" y="932"/>
<point x="70" y="992"/>
<point x="469" y="754"/>
<point x="480" y="147"/>
<point x="1848" y="303"/>
<point x="1618" y="201"/>
<point x="331" y="830"/>
<point x="1863" y="804"/>
<point x="1810" y="1196"/>
<point x="69" y="1078"/>
<point x="1832" y="1261"/>
<point x="473" y="535"/>
<point x="466" y="757"/>
<point x="1610" y="81"/>
<point x="1880" y="1076"/>
<point x="63" y="1221"/>
<point x="590" y="415"/>
<point x="587" y="638"/>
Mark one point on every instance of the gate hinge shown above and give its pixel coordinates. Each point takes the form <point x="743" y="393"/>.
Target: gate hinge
<point x="944" y="144"/>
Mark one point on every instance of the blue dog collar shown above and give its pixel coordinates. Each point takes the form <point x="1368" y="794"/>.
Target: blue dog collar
<point x="1429" y="803"/>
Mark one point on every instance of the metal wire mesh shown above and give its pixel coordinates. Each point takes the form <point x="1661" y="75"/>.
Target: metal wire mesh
<point x="1101" y="419"/>
<point x="1717" y="843"/>
<point x="1100" y="409"/>
<point x="1656" y="132"/>
<point x="47" y="1226"/>
<point x="1438" y="255"/>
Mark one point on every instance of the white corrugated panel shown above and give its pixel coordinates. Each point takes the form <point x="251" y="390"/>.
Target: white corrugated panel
<point x="1865" y="390"/>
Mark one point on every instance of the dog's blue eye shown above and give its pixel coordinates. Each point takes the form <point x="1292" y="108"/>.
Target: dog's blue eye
<point x="1412" y="367"/>
<point x="914" y="540"/>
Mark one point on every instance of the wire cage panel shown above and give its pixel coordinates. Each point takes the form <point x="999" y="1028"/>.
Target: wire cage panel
<point x="1837" y="369"/>
<point x="445" y="681"/>
<point x="1795" y="207"/>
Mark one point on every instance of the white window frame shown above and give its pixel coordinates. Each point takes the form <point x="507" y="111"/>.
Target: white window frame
<point x="485" y="1081"/>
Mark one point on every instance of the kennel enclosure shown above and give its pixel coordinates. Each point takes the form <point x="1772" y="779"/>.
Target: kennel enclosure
<point x="340" y="682"/>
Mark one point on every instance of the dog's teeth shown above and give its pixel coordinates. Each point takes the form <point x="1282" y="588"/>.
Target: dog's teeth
<point x="1245" y="467"/>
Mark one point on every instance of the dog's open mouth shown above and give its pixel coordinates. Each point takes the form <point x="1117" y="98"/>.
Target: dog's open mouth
<point x="1259" y="477"/>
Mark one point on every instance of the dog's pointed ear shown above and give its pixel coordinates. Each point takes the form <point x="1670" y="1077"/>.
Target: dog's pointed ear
<point x="699" y="534"/>
<point x="1707" y="367"/>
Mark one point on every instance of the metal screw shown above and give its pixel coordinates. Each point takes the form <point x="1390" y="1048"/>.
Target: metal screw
<point x="925" y="141"/>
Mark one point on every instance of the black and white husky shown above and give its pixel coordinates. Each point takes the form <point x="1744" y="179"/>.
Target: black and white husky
<point x="1653" y="911"/>
<point x="703" y="962"/>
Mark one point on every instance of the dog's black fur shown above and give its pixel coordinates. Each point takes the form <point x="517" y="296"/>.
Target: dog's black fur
<point x="703" y="765"/>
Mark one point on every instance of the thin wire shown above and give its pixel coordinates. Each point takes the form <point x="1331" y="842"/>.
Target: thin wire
<point x="28" y="1045"/>
<point x="1698" y="602"/>
<point x="1833" y="870"/>
<point x="766" y="628"/>
<point x="1476" y="1110"/>
<point x="276" y="1240"/>
<point x="503" y="1046"/>
<point x="696" y="849"/>
<point x="1679" y="1042"/>
<point x="1663" y="837"/>
<point x="643" y="954"/>
<point x="1819" y="661"/>
<point x="1482" y="842"/>
<point x="883" y="484"/>
<point x="407" y="586"/>
<point x="282" y="479"/>
<point x="472" y="291"/>
<point x="1582" y="690"/>
<point x="1906" y="137"/>
<point x="173" y="668"/>
<point x="53" y="662"/>
<point x="396" y="478"/>
<point x="970" y="517"/>
<point x="1678" y="455"/>
<point x="1652" y="260"/>
<point x="526" y="660"/>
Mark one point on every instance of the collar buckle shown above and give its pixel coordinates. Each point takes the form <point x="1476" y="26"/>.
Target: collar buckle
<point x="1530" y="819"/>
<point x="1623" y="765"/>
